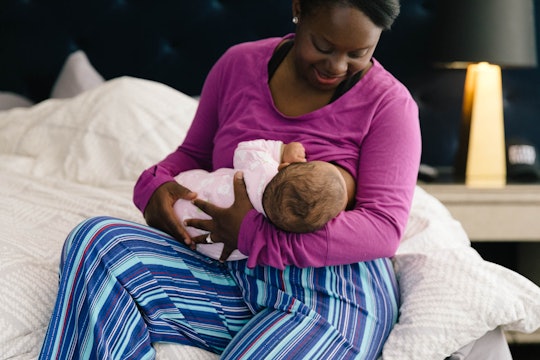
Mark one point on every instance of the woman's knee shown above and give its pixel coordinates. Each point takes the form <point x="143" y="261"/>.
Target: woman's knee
<point x="92" y="230"/>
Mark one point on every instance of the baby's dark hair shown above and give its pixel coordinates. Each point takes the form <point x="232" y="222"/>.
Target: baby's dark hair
<point x="304" y="196"/>
<point x="383" y="13"/>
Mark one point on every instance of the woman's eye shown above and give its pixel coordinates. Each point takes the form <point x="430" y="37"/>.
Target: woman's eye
<point x="358" y="54"/>
<point x="322" y="49"/>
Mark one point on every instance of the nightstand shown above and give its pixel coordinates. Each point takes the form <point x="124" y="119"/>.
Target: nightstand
<point x="509" y="215"/>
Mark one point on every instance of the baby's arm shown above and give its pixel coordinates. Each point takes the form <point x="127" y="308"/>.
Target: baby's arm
<point x="254" y="153"/>
<point x="257" y="154"/>
<point x="259" y="160"/>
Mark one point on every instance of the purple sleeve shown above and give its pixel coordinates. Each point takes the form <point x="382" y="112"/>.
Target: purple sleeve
<point x="159" y="174"/>
<point x="387" y="174"/>
<point x="194" y="153"/>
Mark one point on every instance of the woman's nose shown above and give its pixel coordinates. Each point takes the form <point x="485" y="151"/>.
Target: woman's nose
<point x="338" y="65"/>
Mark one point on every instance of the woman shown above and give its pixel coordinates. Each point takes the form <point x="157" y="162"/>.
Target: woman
<point x="330" y="294"/>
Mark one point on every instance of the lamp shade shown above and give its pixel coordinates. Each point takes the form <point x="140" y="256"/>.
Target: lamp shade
<point x="496" y="31"/>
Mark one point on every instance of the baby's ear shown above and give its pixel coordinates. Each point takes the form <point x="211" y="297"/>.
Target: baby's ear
<point x="283" y="166"/>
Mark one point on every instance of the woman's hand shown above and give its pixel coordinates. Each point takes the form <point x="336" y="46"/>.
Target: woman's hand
<point x="159" y="212"/>
<point x="225" y="223"/>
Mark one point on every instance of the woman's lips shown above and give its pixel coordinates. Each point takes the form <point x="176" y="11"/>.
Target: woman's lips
<point x="325" y="79"/>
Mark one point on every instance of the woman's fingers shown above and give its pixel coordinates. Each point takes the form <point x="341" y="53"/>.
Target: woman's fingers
<point x="205" y="239"/>
<point x="159" y="211"/>
<point x="225" y="223"/>
<point x="208" y="208"/>
<point x="201" y="239"/>
<point x="227" y="251"/>
<point x="202" y="224"/>
<point x="179" y="232"/>
<point x="242" y="204"/>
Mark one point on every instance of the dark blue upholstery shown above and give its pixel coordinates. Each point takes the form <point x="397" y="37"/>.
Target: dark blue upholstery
<point x="176" y="42"/>
<point x="171" y="41"/>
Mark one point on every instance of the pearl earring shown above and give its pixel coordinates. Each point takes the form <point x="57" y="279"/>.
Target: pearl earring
<point x="295" y="19"/>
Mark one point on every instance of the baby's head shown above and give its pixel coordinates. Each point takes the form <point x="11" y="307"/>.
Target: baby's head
<point x="304" y="196"/>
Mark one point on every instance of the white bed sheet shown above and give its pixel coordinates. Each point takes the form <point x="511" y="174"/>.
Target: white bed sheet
<point x="62" y="161"/>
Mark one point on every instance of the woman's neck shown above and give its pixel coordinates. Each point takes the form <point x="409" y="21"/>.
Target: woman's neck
<point x="292" y="94"/>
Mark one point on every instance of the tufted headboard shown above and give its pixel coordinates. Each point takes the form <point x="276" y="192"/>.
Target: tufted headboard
<point x="171" y="41"/>
<point x="177" y="41"/>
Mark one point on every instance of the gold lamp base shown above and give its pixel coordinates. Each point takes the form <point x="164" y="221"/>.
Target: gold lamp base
<point x="481" y="159"/>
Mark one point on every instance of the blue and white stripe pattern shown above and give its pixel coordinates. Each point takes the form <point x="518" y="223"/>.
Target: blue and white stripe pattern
<point x="124" y="286"/>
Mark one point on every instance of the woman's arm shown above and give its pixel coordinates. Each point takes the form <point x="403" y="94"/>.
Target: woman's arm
<point x="194" y="153"/>
<point x="156" y="190"/>
<point x="387" y="173"/>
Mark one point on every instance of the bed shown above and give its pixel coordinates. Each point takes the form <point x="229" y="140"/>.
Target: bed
<point x="93" y="92"/>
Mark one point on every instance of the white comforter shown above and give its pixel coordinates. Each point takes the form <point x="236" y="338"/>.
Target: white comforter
<point x="62" y="161"/>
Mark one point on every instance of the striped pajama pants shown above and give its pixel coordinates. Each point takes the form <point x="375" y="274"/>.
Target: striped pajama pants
<point x="124" y="286"/>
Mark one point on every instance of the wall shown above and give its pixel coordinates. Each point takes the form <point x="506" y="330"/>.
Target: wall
<point x="405" y="52"/>
<point x="176" y="42"/>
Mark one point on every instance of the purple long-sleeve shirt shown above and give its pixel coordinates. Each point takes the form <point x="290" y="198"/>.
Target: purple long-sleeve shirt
<point x="372" y="131"/>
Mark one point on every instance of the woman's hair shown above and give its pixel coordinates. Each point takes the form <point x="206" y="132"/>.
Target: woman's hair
<point x="304" y="196"/>
<point x="381" y="12"/>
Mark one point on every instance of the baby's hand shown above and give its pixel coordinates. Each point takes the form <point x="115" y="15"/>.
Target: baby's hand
<point x="293" y="152"/>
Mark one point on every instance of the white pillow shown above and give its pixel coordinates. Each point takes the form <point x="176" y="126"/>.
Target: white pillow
<point x="450" y="296"/>
<point x="77" y="76"/>
<point x="105" y="135"/>
<point x="9" y="100"/>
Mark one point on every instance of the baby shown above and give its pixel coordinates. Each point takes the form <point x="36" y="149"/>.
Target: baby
<point x="295" y="195"/>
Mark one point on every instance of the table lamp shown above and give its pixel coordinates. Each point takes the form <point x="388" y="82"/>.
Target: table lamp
<point x="481" y="36"/>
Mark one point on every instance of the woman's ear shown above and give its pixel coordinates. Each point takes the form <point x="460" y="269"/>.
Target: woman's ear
<point x="296" y="8"/>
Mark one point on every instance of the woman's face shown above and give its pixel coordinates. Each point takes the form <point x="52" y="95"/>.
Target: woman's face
<point x="333" y="43"/>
